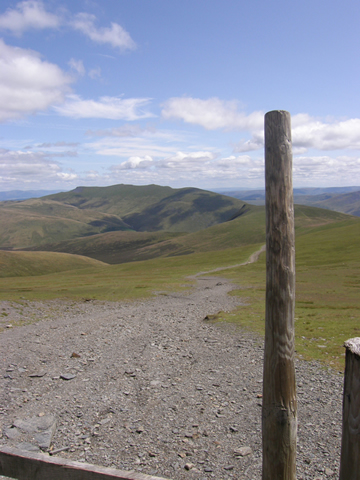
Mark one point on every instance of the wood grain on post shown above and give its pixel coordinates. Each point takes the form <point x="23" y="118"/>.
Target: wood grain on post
<point x="350" y="446"/>
<point x="279" y="411"/>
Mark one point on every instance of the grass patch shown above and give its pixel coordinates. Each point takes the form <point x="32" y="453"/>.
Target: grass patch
<point x="327" y="308"/>
<point x="121" y="282"/>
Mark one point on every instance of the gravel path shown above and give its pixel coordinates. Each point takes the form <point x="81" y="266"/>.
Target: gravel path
<point x="155" y="387"/>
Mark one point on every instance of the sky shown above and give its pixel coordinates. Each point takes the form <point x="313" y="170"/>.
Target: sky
<point x="174" y="92"/>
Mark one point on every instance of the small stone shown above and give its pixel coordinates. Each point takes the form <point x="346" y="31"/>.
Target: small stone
<point x="155" y="383"/>
<point x="243" y="452"/>
<point x="233" y="429"/>
<point x="67" y="376"/>
<point x="229" y="467"/>
<point x="189" y="466"/>
<point x="328" y="471"/>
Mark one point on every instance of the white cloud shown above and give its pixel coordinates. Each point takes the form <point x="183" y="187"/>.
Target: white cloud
<point x="123" y="131"/>
<point x="78" y="66"/>
<point x="95" y="73"/>
<point x="135" y="141"/>
<point x="187" y="162"/>
<point x="27" y="15"/>
<point x="211" y="114"/>
<point x="130" y="147"/>
<point x="27" y="83"/>
<point x="308" y="132"/>
<point x="112" y="108"/>
<point x="327" y="169"/>
<point x="256" y="143"/>
<point x="19" y="169"/>
<point x="135" y="163"/>
<point x="31" y="14"/>
<point x="115" y="35"/>
<point x="57" y="144"/>
<point x="186" y="168"/>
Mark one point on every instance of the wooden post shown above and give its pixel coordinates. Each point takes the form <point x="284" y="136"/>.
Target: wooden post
<point x="279" y="411"/>
<point x="22" y="465"/>
<point x="350" y="446"/>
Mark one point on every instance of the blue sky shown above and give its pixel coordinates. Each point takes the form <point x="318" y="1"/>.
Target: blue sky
<point x="174" y="92"/>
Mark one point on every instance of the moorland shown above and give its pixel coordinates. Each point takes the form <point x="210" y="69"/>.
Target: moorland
<point x="125" y="242"/>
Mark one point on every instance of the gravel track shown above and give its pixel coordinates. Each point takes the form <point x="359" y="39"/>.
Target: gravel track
<point x="156" y="387"/>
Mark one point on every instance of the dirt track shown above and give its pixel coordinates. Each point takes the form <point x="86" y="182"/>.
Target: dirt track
<point x="157" y="388"/>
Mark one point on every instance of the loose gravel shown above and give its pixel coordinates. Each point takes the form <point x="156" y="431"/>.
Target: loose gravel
<point x="155" y="387"/>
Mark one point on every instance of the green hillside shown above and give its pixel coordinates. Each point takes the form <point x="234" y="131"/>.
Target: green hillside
<point x="246" y="229"/>
<point x="25" y="264"/>
<point x="154" y="208"/>
<point x="89" y="211"/>
<point x="37" y="221"/>
<point x="345" y="203"/>
<point x="187" y="210"/>
<point x="117" y="199"/>
<point x="111" y="247"/>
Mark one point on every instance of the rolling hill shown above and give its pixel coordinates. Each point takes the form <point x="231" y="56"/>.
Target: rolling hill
<point x="89" y="211"/>
<point x="38" y="221"/>
<point x="24" y="264"/>
<point x="246" y="229"/>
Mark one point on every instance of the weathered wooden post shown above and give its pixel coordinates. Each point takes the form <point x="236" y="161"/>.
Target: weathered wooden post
<point x="350" y="446"/>
<point x="279" y="411"/>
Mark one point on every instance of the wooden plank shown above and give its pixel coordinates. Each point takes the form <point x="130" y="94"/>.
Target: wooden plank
<point x="22" y="465"/>
<point x="279" y="411"/>
<point x="350" y="445"/>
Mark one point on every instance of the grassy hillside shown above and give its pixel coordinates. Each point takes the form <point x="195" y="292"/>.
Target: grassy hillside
<point x="346" y="202"/>
<point x="327" y="305"/>
<point x="339" y="199"/>
<point x="186" y="210"/>
<point x="154" y="208"/>
<point x="38" y="221"/>
<point x="25" y="264"/>
<point x="246" y="229"/>
<point x="111" y="247"/>
<point x="116" y="199"/>
<point x="91" y="210"/>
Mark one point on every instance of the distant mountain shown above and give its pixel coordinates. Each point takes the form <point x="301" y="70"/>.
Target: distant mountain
<point x="24" y="194"/>
<point x="246" y="229"/>
<point x="92" y="210"/>
<point x="339" y="199"/>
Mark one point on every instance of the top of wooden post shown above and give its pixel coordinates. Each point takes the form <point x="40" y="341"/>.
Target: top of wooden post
<point x="274" y="112"/>
<point x="353" y="344"/>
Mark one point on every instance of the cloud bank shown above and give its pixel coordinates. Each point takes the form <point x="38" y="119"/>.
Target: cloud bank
<point x="27" y="83"/>
<point x="112" y="108"/>
<point x="31" y="14"/>
<point x="27" y="15"/>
